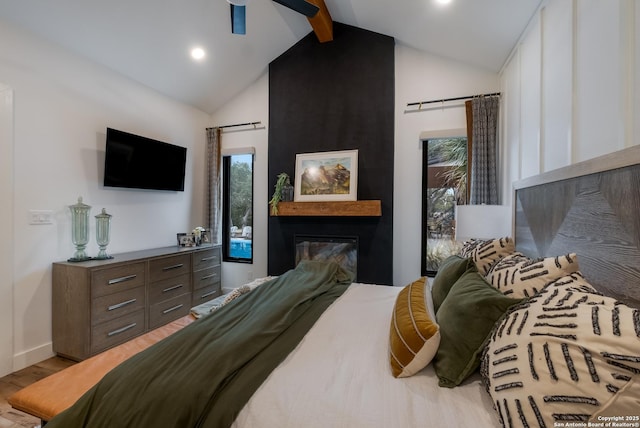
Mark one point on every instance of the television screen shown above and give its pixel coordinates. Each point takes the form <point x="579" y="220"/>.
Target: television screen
<point x="133" y="161"/>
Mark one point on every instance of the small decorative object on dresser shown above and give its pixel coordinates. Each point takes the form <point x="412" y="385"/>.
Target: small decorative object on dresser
<point x="197" y="235"/>
<point x="185" y="240"/>
<point x="103" y="225"/>
<point x="179" y="238"/>
<point x="80" y="230"/>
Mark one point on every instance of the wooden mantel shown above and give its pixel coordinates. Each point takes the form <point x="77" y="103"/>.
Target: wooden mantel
<point x="372" y="208"/>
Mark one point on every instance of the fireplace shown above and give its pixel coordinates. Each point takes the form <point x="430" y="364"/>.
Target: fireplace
<point x="340" y="249"/>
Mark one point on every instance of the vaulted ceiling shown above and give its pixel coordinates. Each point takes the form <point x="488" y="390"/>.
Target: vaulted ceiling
<point x="149" y="40"/>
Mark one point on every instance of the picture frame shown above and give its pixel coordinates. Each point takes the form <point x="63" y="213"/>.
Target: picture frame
<point x="326" y="176"/>
<point x="187" y="240"/>
<point x="179" y="238"/>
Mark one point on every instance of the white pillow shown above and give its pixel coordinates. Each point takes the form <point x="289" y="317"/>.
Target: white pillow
<point x="485" y="253"/>
<point x="518" y="276"/>
<point x="565" y="355"/>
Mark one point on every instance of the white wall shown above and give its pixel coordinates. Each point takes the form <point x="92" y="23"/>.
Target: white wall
<point x="252" y="105"/>
<point x="421" y="77"/>
<point x="62" y="106"/>
<point x="557" y="88"/>
<point x="418" y="77"/>
<point x="571" y="86"/>
<point x="6" y="229"/>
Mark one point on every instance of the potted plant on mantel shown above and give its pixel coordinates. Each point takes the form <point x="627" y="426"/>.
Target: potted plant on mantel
<point x="283" y="192"/>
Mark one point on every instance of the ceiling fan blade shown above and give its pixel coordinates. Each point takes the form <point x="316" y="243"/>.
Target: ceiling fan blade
<point x="238" y="19"/>
<point x="300" y="6"/>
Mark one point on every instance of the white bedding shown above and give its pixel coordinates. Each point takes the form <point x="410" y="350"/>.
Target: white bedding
<point x="339" y="376"/>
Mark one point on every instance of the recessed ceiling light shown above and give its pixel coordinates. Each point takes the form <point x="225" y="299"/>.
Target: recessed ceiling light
<point x="198" y="53"/>
<point x="444" y="1"/>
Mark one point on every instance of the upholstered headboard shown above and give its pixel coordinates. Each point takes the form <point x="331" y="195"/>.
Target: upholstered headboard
<point x="592" y="209"/>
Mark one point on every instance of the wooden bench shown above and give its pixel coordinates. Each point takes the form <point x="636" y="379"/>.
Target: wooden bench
<point x="53" y="394"/>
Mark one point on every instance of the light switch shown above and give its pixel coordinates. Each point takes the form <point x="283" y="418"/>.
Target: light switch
<point x="40" y="217"/>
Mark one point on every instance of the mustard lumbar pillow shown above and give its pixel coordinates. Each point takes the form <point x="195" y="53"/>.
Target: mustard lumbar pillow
<point x="415" y="336"/>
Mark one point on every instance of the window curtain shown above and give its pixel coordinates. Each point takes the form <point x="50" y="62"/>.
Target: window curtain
<point x="214" y="188"/>
<point x="484" y="158"/>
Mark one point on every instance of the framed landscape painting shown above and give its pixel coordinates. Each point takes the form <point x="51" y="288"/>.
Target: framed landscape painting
<point x="326" y="176"/>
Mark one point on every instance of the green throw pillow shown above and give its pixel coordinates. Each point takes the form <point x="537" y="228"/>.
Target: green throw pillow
<point x="449" y="271"/>
<point x="466" y="319"/>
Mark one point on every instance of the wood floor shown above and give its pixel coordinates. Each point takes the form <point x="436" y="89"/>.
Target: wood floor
<point x="11" y="418"/>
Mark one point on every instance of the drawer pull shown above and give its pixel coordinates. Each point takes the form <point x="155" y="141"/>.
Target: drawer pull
<point x="210" y="293"/>
<point x="175" y="287"/>
<point x="178" y="266"/>
<point x="119" y="305"/>
<point x="121" y="279"/>
<point x="176" y="307"/>
<point x="206" y="259"/>
<point x="122" y="330"/>
<point x="204" y="278"/>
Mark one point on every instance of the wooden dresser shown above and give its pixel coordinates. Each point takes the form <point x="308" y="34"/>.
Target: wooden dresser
<point x="98" y="304"/>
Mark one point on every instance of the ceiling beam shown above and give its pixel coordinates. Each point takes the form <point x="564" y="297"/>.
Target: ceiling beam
<point x="322" y="23"/>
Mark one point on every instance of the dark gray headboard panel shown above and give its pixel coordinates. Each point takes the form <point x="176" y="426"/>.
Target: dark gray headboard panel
<point x="591" y="209"/>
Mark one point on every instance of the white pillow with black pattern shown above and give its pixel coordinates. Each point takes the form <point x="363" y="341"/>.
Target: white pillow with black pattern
<point x="519" y="276"/>
<point x="485" y="253"/>
<point x="563" y="356"/>
<point x="574" y="282"/>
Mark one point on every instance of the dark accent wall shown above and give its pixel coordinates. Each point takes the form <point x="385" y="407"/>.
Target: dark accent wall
<point x="336" y="96"/>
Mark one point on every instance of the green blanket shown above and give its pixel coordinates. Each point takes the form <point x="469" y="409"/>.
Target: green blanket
<point x="203" y="375"/>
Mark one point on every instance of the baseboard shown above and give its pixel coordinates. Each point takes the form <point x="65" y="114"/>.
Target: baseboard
<point x="32" y="356"/>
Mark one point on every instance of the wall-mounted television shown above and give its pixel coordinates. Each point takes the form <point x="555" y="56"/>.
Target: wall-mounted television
<point x="137" y="162"/>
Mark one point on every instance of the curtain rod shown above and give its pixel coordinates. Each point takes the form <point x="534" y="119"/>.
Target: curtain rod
<point x="237" y="124"/>
<point x="420" y="103"/>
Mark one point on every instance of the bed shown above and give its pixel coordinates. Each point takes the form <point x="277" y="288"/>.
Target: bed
<point x="539" y="330"/>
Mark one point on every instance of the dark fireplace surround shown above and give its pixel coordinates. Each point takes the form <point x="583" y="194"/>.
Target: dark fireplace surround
<point x="330" y="96"/>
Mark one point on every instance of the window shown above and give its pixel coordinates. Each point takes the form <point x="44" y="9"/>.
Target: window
<point x="444" y="185"/>
<point x="237" y="208"/>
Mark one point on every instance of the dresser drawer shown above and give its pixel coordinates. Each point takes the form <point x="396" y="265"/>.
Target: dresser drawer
<point x="169" y="310"/>
<point x="206" y="277"/>
<point x="111" y="306"/>
<point x="169" y="267"/>
<point x="113" y="280"/>
<point x="169" y="288"/>
<point x="119" y="330"/>
<point x="206" y="258"/>
<point x="202" y="295"/>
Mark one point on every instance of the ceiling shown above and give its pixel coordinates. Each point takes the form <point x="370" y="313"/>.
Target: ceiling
<point x="149" y="40"/>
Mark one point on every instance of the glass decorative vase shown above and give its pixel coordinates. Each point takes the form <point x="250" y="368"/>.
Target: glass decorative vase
<point x="103" y="225"/>
<point x="286" y="194"/>
<point x="80" y="230"/>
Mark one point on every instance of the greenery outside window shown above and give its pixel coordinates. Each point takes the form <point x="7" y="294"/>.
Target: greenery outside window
<point x="444" y="185"/>
<point x="237" y="208"/>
